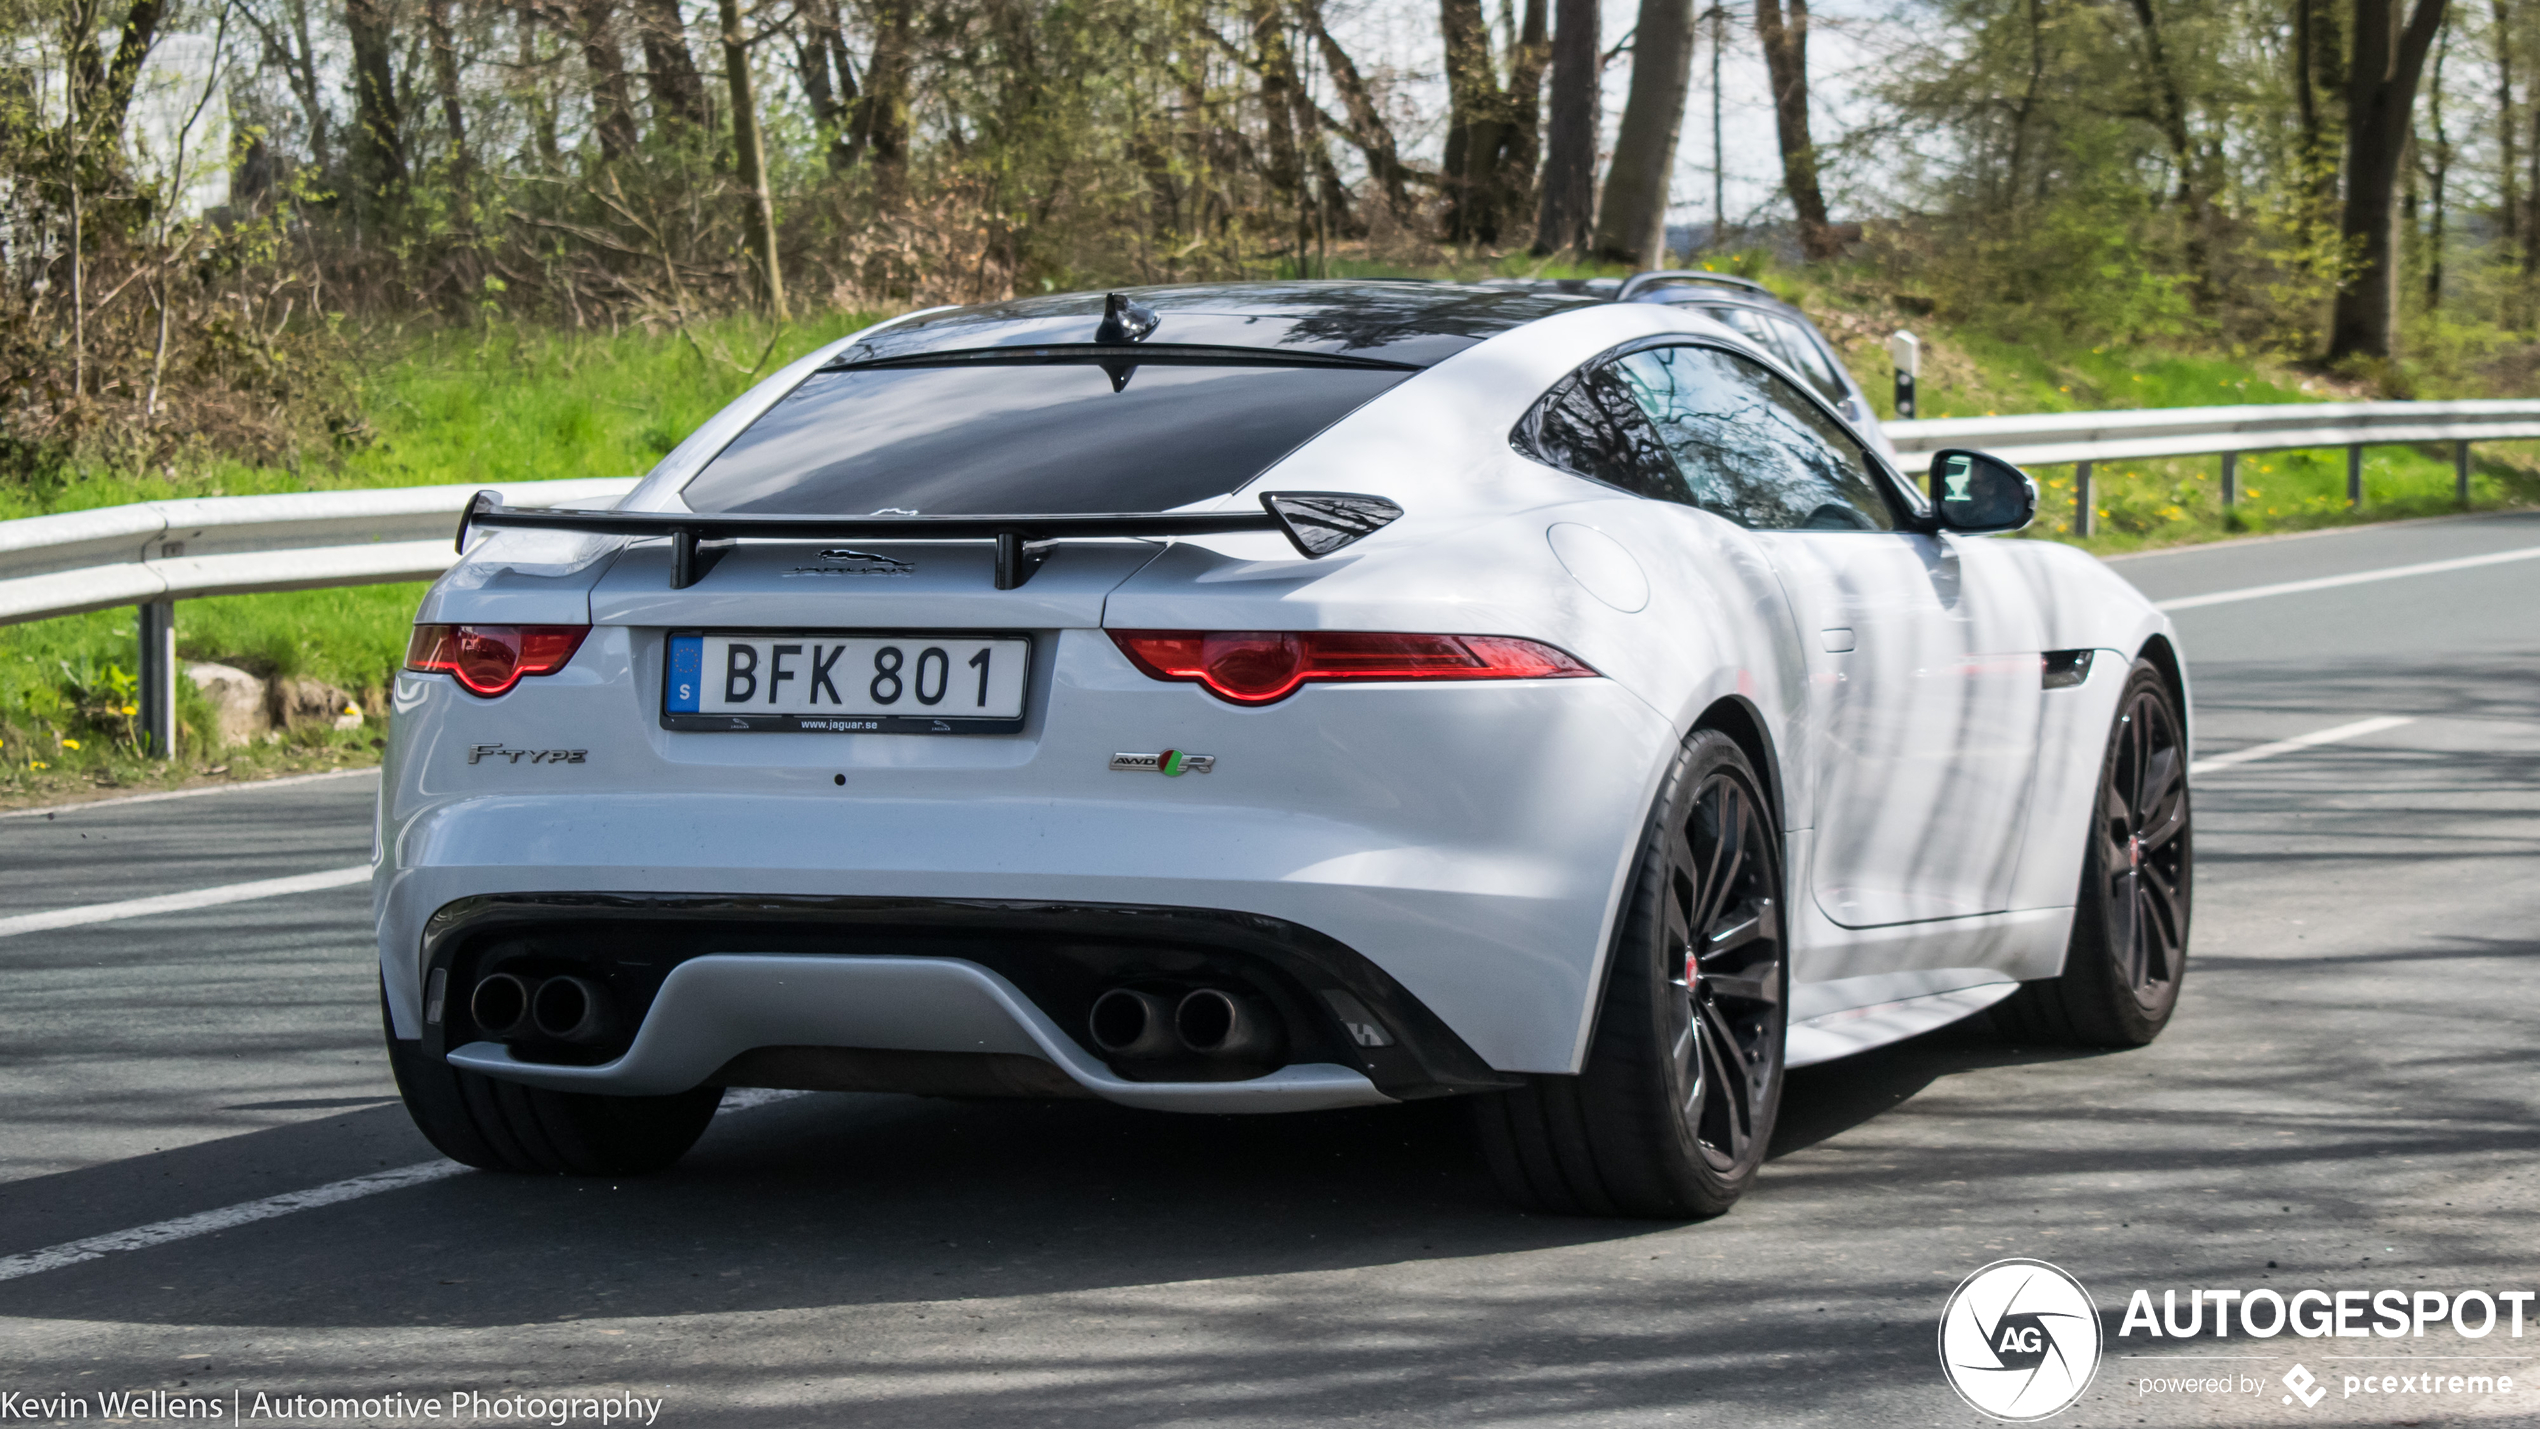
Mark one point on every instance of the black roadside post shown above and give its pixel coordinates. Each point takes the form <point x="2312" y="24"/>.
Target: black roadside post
<point x="158" y="679"/>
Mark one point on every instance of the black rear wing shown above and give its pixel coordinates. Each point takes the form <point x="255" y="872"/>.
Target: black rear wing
<point x="1317" y="523"/>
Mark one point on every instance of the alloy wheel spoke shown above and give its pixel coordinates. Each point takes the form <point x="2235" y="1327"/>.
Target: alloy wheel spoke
<point x="1732" y="1093"/>
<point x="1757" y="982"/>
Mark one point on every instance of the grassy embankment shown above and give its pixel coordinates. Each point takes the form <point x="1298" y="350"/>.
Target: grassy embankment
<point x="510" y="405"/>
<point x="453" y="407"/>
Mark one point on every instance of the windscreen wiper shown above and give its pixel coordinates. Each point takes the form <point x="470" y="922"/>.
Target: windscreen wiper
<point x="1317" y="523"/>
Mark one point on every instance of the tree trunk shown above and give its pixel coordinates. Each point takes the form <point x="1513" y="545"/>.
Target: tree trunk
<point x="1283" y="167"/>
<point x="612" y="96"/>
<point x="750" y="159"/>
<point x="445" y="86"/>
<point x="1367" y="126"/>
<point x="2508" y="133"/>
<point x="1786" y="59"/>
<point x="828" y="76"/>
<point x="881" y="120"/>
<point x="2438" y="172"/>
<point x="2320" y="77"/>
<point x="379" y="151"/>
<point x="1521" y="140"/>
<point x="140" y="32"/>
<point x="670" y="72"/>
<point x="1475" y="125"/>
<point x="2381" y="91"/>
<point x="1563" y="221"/>
<point x="2170" y="105"/>
<point x="1631" y="223"/>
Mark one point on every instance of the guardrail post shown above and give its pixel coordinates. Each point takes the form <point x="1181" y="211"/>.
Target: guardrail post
<point x="1907" y="352"/>
<point x="2355" y="478"/>
<point x="2230" y="480"/>
<point x="2460" y="472"/>
<point x="2085" y="517"/>
<point x="158" y="679"/>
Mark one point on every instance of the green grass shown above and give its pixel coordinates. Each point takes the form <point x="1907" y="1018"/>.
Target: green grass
<point x="508" y="404"/>
<point x="476" y="406"/>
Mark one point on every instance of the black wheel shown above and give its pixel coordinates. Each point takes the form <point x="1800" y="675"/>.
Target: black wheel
<point x="2129" y="944"/>
<point x="504" y="1126"/>
<point x="1671" y="1116"/>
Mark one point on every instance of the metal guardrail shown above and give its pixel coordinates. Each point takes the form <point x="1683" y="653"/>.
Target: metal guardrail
<point x="2084" y="439"/>
<point x="153" y="554"/>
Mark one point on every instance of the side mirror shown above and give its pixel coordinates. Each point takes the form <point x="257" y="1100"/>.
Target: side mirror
<point x="1979" y="494"/>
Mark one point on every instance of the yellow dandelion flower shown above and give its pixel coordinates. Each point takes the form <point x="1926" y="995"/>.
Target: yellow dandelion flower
<point x="132" y="709"/>
<point x="37" y="764"/>
<point x="70" y="744"/>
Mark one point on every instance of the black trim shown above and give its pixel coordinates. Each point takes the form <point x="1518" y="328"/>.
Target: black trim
<point x="692" y="555"/>
<point x="1142" y="354"/>
<point x="1061" y="955"/>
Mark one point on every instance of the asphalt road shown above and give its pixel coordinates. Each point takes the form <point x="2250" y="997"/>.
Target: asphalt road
<point x="2346" y="1100"/>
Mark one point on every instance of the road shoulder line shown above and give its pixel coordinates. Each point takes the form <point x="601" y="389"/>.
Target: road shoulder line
<point x="2335" y="734"/>
<point x="181" y="902"/>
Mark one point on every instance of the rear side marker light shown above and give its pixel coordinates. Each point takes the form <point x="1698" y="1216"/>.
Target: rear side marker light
<point x="489" y="659"/>
<point x="1258" y="667"/>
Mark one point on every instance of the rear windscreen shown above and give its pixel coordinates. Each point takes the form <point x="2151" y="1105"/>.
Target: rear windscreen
<point x="982" y="440"/>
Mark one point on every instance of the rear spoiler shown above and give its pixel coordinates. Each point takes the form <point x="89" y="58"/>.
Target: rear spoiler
<point x="1317" y="523"/>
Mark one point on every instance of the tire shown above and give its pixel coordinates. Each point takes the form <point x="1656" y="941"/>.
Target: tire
<point x="503" y="1126"/>
<point x="2128" y="953"/>
<point x="1673" y="1111"/>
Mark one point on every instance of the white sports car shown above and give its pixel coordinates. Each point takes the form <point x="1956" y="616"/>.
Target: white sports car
<point x="1263" y="698"/>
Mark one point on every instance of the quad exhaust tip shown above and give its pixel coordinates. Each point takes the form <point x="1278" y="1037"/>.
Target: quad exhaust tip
<point x="1134" y="1025"/>
<point x="1140" y="1026"/>
<point x="499" y="1006"/>
<point x="572" y="1009"/>
<point x="568" y="1009"/>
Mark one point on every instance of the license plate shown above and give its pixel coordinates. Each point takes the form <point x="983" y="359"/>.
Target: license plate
<point x="846" y="683"/>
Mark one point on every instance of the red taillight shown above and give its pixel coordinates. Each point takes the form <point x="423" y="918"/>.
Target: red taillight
<point x="1255" y="667"/>
<point x="490" y="659"/>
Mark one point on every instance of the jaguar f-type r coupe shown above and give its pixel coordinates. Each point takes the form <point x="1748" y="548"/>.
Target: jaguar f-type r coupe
<point x="1262" y="698"/>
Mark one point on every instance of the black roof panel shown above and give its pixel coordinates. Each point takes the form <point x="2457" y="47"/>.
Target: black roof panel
<point x="1408" y="322"/>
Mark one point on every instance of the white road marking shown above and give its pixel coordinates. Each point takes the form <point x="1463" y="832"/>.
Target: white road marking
<point x="243" y="786"/>
<point x="2463" y="563"/>
<point x="97" y="1247"/>
<point x="180" y="902"/>
<point x="2317" y="737"/>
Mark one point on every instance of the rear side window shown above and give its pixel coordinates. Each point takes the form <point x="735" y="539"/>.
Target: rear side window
<point x="981" y="439"/>
<point x="1592" y="426"/>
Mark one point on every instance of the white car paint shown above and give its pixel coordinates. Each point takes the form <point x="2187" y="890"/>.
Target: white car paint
<point x="1472" y="840"/>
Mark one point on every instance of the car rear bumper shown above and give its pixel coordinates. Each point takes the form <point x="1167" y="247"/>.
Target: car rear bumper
<point x="715" y="1009"/>
<point x="1468" y="841"/>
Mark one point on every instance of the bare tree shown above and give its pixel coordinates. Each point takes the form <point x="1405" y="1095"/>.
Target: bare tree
<point x="379" y="146"/>
<point x="1367" y="127"/>
<point x="1631" y="223"/>
<point x="670" y="72"/>
<point x="1786" y="60"/>
<point x="749" y="159"/>
<point x="612" y="95"/>
<point x="2381" y="87"/>
<point x="1563" y="222"/>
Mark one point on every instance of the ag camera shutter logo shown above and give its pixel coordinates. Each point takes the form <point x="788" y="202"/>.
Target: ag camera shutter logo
<point x="2019" y="1340"/>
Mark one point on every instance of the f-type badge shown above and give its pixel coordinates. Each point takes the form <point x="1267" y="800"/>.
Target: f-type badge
<point x="1172" y="763"/>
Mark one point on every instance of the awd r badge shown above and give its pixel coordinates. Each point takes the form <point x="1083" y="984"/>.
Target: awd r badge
<point x="1172" y="763"/>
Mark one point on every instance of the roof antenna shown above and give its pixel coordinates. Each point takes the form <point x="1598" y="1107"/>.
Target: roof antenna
<point x="1124" y="321"/>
